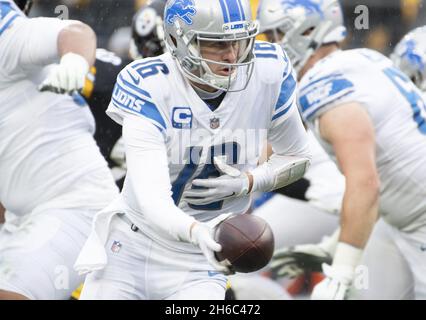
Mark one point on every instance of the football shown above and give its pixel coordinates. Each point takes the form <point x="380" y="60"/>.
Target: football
<point x="247" y="242"/>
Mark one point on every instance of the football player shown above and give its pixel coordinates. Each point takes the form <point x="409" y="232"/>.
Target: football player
<point x="53" y="177"/>
<point x="194" y="121"/>
<point x="370" y="118"/>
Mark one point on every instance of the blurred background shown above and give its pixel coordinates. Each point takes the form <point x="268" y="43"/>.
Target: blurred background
<point x="388" y="20"/>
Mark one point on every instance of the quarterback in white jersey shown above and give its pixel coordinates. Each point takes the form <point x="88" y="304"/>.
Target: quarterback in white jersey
<point x="194" y="122"/>
<point x="53" y="177"/>
<point x="371" y="119"/>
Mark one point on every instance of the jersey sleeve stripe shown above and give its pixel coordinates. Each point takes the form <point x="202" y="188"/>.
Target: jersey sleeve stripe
<point x="127" y="84"/>
<point x="309" y="113"/>
<point x="126" y="100"/>
<point x="282" y="113"/>
<point x="7" y="22"/>
<point x="288" y="87"/>
<point x="266" y="55"/>
<point x="121" y="107"/>
<point x="325" y="78"/>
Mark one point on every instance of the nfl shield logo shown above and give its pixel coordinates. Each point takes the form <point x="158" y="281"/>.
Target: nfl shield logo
<point x="116" y="246"/>
<point x="214" y="123"/>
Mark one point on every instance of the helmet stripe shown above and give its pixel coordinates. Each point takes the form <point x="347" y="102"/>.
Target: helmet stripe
<point x="233" y="10"/>
<point x="242" y="15"/>
<point x="224" y="11"/>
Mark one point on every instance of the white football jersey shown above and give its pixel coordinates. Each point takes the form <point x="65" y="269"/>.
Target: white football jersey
<point x="47" y="152"/>
<point x="156" y="90"/>
<point x="398" y="112"/>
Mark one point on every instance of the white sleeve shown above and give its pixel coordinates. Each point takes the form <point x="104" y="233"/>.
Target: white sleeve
<point x="329" y="88"/>
<point x="289" y="137"/>
<point x="147" y="170"/>
<point x="291" y="154"/>
<point x="30" y="42"/>
<point x="287" y="134"/>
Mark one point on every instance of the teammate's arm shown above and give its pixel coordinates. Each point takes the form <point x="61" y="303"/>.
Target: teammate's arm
<point x="77" y="51"/>
<point x="44" y="41"/>
<point x="349" y="130"/>
<point x="39" y="42"/>
<point x="78" y="38"/>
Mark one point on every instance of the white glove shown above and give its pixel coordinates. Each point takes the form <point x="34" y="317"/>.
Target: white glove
<point x="232" y="183"/>
<point x="336" y="285"/>
<point x="68" y="76"/>
<point x="202" y="236"/>
<point x="294" y="261"/>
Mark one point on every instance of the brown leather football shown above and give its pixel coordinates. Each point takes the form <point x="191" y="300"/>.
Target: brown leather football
<point x="247" y="242"/>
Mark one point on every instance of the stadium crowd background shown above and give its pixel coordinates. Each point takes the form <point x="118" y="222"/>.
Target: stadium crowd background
<point x="388" y="20"/>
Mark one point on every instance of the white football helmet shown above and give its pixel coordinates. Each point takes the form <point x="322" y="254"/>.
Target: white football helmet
<point x="188" y="23"/>
<point x="410" y="56"/>
<point x="302" y="26"/>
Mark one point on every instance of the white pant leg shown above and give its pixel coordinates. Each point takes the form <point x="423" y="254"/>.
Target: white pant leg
<point x="389" y="274"/>
<point x="143" y="269"/>
<point x="413" y="247"/>
<point x="200" y="291"/>
<point x="37" y="253"/>
<point x="296" y="222"/>
<point x="109" y="286"/>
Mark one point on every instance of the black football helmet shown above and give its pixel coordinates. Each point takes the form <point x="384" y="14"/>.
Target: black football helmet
<point x="24" y="5"/>
<point x="147" y="31"/>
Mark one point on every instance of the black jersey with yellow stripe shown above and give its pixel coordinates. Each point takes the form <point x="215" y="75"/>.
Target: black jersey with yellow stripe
<point x="97" y="92"/>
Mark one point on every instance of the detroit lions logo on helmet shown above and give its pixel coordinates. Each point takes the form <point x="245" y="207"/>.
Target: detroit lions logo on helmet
<point x="412" y="55"/>
<point x="182" y="9"/>
<point x="310" y="6"/>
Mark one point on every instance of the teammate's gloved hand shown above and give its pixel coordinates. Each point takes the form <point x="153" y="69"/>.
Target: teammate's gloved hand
<point x="232" y="183"/>
<point x="68" y="76"/>
<point x="336" y="284"/>
<point x="201" y="235"/>
<point x="294" y="261"/>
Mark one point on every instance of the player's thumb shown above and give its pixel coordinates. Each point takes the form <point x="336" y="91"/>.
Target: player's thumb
<point x="211" y="244"/>
<point x="224" y="168"/>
